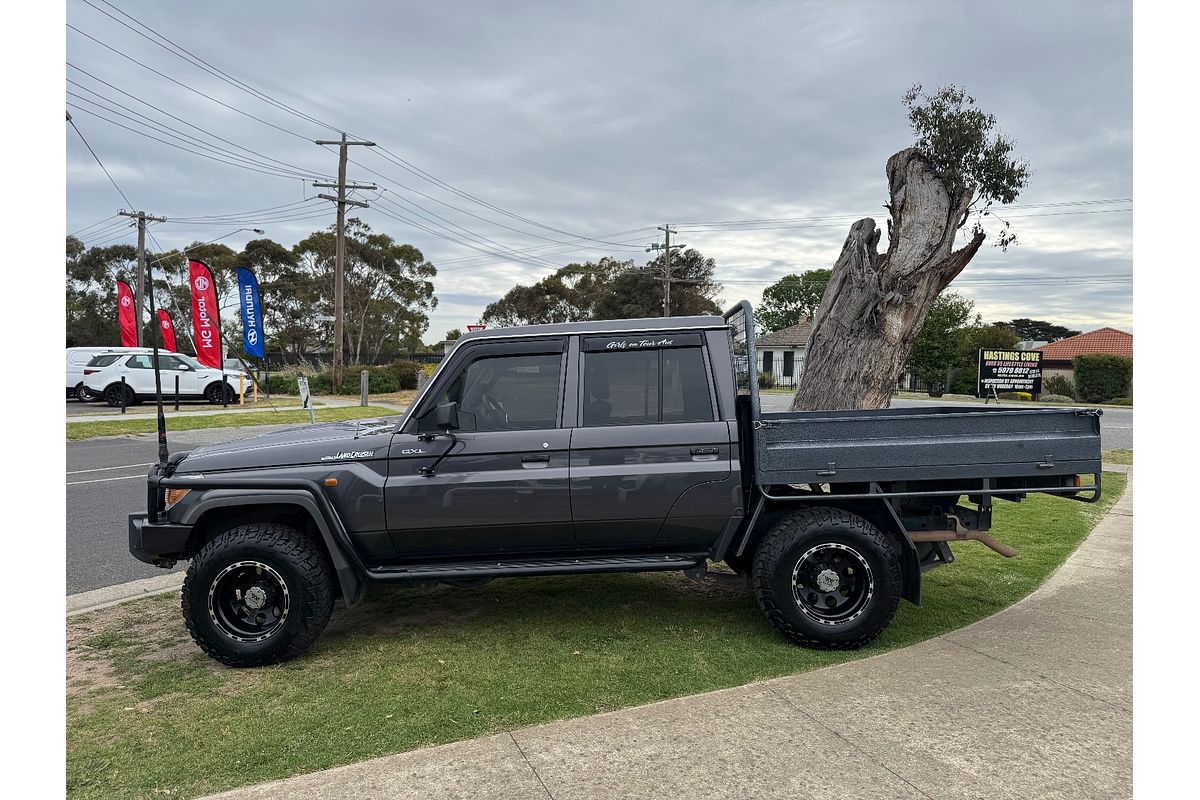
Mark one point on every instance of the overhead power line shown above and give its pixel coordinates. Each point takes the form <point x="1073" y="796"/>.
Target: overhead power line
<point x="221" y="103"/>
<point x="225" y="155"/>
<point x="188" y="56"/>
<point x="302" y="171"/>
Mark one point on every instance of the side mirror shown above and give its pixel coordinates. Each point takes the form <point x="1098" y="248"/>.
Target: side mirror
<point x="447" y="416"/>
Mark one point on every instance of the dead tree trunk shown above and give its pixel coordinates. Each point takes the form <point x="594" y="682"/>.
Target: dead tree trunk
<point x="875" y="305"/>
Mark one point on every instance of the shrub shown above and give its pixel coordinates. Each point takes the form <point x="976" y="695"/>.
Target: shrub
<point x="1059" y="385"/>
<point x="1099" y="377"/>
<point x="1057" y="398"/>
<point x="964" y="382"/>
<point x="766" y="380"/>
<point x="1121" y="401"/>
<point x="406" y="374"/>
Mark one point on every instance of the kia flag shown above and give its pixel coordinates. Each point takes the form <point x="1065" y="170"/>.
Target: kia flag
<point x="252" y="327"/>
<point x="127" y="315"/>
<point x="206" y="321"/>
<point x="167" y="328"/>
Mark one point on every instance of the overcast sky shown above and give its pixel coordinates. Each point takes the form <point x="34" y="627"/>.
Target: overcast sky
<point x="542" y="123"/>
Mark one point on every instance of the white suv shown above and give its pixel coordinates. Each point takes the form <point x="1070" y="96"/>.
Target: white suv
<point x="195" y="381"/>
<point x="80" y="358"/>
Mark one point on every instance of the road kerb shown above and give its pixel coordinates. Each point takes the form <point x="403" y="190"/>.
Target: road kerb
<point x="108" y="596"/>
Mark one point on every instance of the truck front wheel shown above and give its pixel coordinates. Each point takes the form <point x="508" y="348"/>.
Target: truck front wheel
<point x="826" y="578"/>
<point x="258" y="594"/>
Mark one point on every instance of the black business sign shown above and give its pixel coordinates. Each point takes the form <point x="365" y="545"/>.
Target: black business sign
<point x="1010" y="371"/>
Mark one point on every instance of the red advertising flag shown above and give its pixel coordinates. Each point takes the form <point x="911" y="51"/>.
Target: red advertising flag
<point x="206" y="321"/>
<point x="127" y="315"/>
<point x="168" y="330"/>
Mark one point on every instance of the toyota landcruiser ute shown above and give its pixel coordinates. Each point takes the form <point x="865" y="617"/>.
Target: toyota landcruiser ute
<point x="630" y="445"/>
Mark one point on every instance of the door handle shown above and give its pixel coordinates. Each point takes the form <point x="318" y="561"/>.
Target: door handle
<point x="705" y="453"/>
<point x="535" y="461"/>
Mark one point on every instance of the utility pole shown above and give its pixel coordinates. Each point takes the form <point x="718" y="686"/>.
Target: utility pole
<point x="339" y="268"/>
<point x="139" y="291"/>
<point x="667" y="247"/>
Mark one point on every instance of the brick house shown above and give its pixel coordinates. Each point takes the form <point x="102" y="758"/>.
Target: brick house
<point x="1058" y="357"/>
<point x="781" y="353"/>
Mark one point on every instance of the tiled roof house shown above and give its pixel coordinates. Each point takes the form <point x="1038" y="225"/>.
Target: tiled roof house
<point x="1058" y="357"/>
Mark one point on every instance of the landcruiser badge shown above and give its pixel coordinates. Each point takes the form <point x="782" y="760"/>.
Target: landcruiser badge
<point x="349" y="454"/>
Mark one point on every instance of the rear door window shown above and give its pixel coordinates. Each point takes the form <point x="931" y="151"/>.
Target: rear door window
<point x="646" y="386"/>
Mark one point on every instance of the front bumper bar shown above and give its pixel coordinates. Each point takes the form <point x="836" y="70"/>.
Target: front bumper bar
<point x="160" y="544"/>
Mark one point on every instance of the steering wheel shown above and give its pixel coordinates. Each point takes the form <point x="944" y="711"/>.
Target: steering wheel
<point x="494" y="411"/>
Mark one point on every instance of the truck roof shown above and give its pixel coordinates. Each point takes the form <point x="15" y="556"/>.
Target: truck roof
<point x="644" y="325"/>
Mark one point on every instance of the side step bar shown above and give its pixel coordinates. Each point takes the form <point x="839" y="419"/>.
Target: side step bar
<point x="551" y="566"/>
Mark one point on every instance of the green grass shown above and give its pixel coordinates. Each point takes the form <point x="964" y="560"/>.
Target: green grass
<point x="117" y="427"/>
<point x="1117" y="457"/>
<point x="147" y="713"/>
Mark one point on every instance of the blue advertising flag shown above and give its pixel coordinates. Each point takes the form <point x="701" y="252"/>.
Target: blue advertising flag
<point x="252" y="325"/>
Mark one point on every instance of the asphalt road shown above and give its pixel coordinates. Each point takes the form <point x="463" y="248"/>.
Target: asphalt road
<point x="106" y="482"/>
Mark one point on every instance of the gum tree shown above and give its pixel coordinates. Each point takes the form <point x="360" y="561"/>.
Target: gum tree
<point x="875" y="304"/>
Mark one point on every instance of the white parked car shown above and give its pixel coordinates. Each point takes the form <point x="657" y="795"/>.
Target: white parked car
<point x="80" y="358"/>
<point x="195" y="381"/>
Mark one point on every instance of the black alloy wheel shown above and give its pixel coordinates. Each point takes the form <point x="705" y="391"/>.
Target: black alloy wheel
<point x="248" y="601"/>
<point x="832" y="583"/>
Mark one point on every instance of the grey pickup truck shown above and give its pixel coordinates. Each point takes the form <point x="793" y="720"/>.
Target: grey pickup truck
<point x="631" y="445"/>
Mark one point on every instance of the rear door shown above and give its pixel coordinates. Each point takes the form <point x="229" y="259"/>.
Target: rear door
<point x="650" y="460"/>
<point x="503" y="489"/>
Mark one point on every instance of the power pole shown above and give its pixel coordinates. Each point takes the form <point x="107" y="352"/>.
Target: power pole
<point x="339" y="268"/>
<point x="139" y="291"/>
<point x="666" y="247"/>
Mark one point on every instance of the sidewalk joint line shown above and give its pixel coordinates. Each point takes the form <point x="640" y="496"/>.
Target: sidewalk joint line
<point x="870" y="756"/>
<point x="1036" y="673"/>
<point x="529" y="764"/>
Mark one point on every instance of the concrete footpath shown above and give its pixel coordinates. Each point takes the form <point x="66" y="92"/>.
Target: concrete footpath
<point x="1033" y="702"/>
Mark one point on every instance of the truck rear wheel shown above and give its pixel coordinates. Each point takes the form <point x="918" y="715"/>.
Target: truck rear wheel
<point x="826" y="578"/>
<point x="258" y="594"/>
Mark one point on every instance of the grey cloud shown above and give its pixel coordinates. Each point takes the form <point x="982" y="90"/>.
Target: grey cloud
<point x="606" y="117"/>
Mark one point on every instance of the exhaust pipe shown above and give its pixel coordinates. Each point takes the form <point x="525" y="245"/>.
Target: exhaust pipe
<point x="962" y="534"/>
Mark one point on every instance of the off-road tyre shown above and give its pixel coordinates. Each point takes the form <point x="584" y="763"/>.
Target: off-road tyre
<point x="298" y="562"/>
<point x="869" y="575"/>
<point x="212" y="393"/>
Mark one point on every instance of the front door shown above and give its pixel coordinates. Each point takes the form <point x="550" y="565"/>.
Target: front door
<point x="502" y="491"/>
<point x="140" y="376"/>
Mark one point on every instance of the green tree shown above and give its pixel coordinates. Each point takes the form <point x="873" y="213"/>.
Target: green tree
<point x="387" y="289"/>
<point x="453" y="334"/>
<point x="967" y="152"/>
<point x="91" y="291"/>
<point x="792" y="299"/>
<point x="938" y="348"/>
<point x="637" y="293"/>
<point x="610" y="289"/>
<point x="568" y="295"/>
<point x="1037" y="330"/>
<point x="973" y="338"/>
